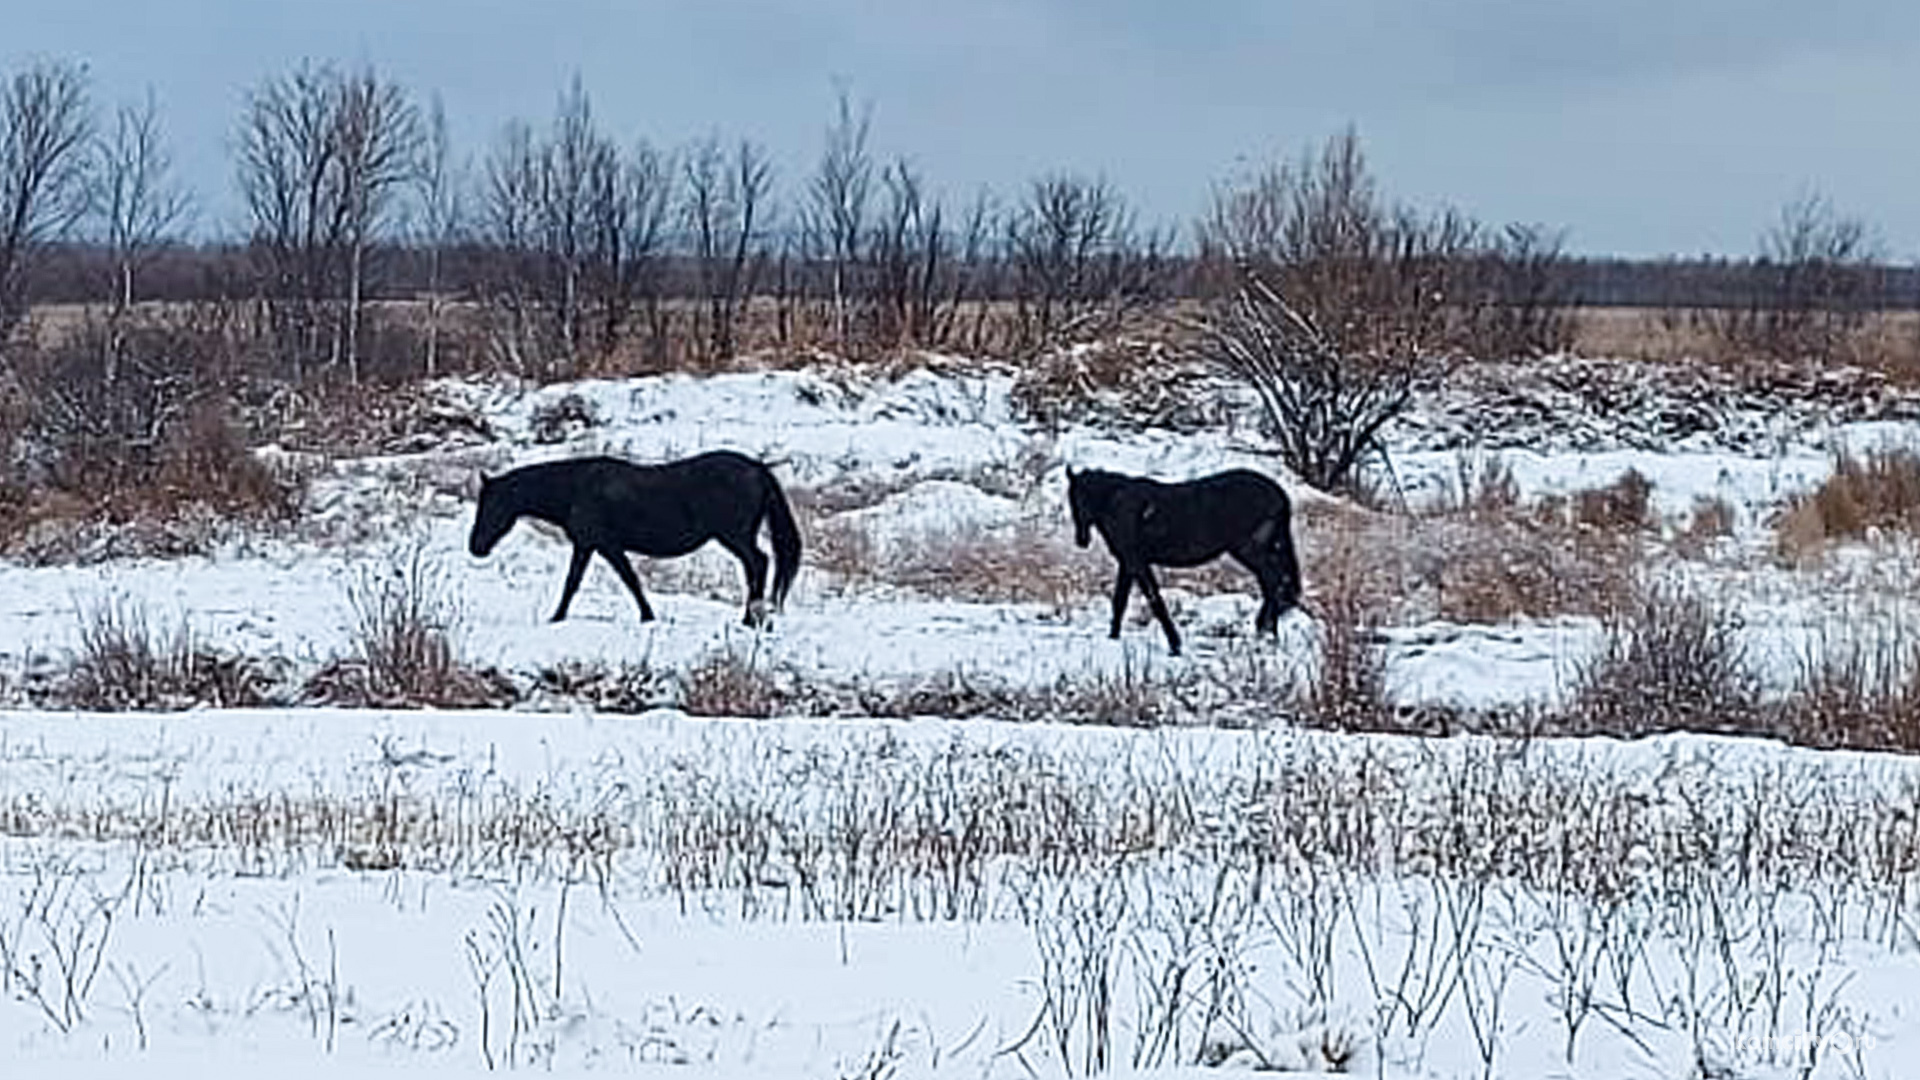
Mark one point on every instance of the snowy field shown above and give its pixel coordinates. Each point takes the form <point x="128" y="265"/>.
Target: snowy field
<point x="351" y="892"/>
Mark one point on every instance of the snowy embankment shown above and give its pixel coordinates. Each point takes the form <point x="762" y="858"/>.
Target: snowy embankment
<point x="340" y="892"/>
<point x="918" y="466"/>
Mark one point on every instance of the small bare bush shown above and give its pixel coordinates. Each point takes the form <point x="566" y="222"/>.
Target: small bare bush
<point x="124" y="662"/>
<point x="405" y="631"/>
<point x="1669" y="660"/>
<point x="1483" y="487"/>
<point x="1349" y="687"/>
<point x="1859" y="694"/>
<point x="1712" y="520"/>
<point x="1622" y="508"/>
<point x="1129" y="697"/>
<point x="730" y="682"/>
<point x="629" y="687"/>
<point x="1880" y="491"/>
<point x="557" y="420"/>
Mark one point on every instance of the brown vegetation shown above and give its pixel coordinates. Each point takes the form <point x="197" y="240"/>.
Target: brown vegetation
<point x="1877" y="492"/>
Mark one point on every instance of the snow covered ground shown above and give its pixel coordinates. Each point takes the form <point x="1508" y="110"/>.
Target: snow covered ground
<point x="211" y="893"/>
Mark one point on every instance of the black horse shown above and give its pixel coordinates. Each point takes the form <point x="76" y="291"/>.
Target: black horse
<point x="610" y="507"/>
<point x="1147" y="523"/>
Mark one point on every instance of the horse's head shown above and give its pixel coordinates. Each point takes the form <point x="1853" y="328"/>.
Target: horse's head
<point x="1080" y="500"/>
<point x="491" y="519"/>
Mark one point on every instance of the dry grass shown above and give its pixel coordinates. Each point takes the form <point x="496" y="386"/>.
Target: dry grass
<point x="1623" y="508"/>
<point x="731" y="681"/>
<point x="632" y="686"/>
<point x="406" y="629"/>
<point x="1879" y="492"/>
<point x="1712" y="520"/>
<point x="1889" y="343"/>
<point x="1349" y="687"/>
<point x="1464" y="562"/>
<point x="1670" y="660"/>
<point x="126" y="662"/>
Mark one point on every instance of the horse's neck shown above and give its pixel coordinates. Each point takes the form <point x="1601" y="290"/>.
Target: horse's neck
<point x="546" y="496"/>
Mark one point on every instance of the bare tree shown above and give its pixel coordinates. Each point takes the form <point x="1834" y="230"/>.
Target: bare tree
<point x="578" y="233"/>
<point x="632" y="210"/>
<point x="132" y="196"/>
<point x="910" y="253"/>
<point x="1368" y="273"/>
<point x="1813" y="285"/>
<point x="286" y="175"/>
<point x="1077" y="261"/>
<point x="1336" y="303"/>
<point x="44" y="126"/>
<point x="1324" y="404"/>
<point x="834" y="220"/>
<point x="509" y="222"/>
<point x="377" y="133"/>
<point x="440" y="192"/>
<point x="723" y="203"/>
<point x="322" y="156"/>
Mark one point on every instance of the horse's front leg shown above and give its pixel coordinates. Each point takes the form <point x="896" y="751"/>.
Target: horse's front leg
<point x="575" y="571"/>
<point x="1122" y="588"/>
<point x="1151" y="588"/>
<point x="624" y="567"/>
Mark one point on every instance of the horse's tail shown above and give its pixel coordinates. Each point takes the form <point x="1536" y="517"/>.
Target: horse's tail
<point x="786" y="540"/>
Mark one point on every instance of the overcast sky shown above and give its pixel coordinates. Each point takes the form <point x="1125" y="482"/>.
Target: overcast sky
<point x="1639" y="126"/>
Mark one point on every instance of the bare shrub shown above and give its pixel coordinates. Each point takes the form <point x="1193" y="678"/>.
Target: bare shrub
<point x="1712" y="520"/>
<point x="1856" y="694"/>
<point x="730" y="682"/>
<point x="1669" y="660"/>
<point x="1131" y="696"/>
<point x="1325" y="403"/>
<point x="557" y="420"/>
<point x="1816" y="281"/>
<point x="1622" y="508"/>
<point x="1349" y="686"/>
<point x="1496" y="570"/>
<point x="405" y="630"/>
<point x="1483" y="487"/>
<point x="144" y="458"/>
<point x="1880" y="491"/>
<point x="629" y="687"/>
<point x="124" y="662"/>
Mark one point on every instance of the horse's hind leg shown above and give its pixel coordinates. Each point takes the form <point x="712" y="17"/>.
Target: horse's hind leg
<point x="624" y="567"/>
<point x="754" y="562"/>
<point x="1267" y="620"/>
<point x="575" y="571"/>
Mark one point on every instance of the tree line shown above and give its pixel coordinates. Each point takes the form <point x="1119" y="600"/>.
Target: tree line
<point x="561" y="246"/>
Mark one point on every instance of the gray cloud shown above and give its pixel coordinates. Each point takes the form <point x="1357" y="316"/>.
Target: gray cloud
<point x="1640" y="126"/>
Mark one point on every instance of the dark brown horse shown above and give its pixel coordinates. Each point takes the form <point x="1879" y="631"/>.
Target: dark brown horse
<point x="1147" y="523"/>
<point x="609" y="507"/>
